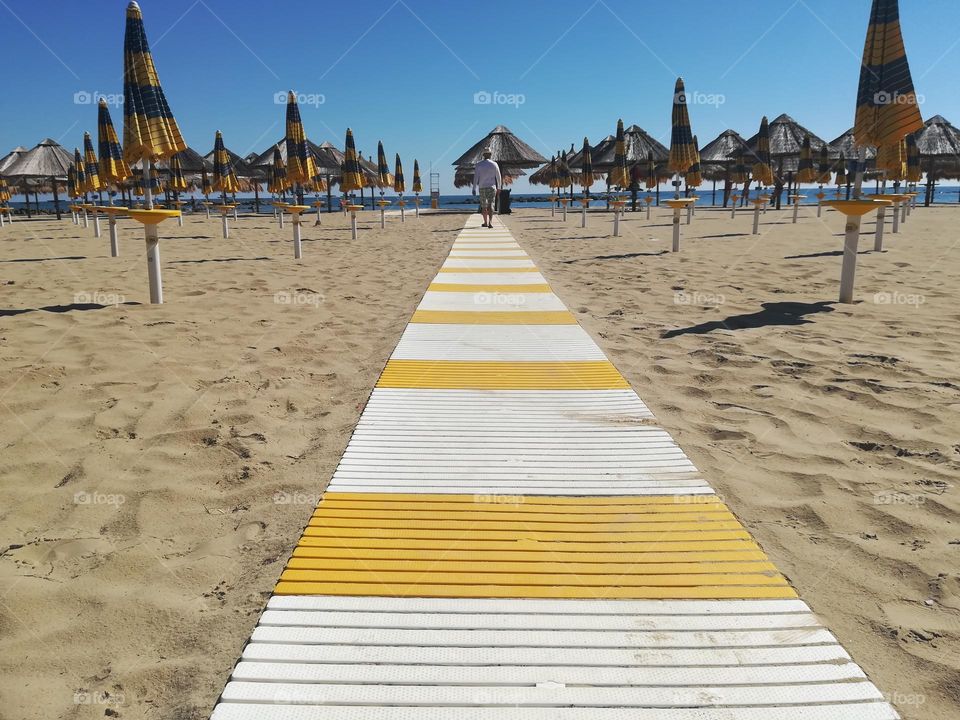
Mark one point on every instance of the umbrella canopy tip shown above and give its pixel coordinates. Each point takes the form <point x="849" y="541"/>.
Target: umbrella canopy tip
<point x="133" y="5"/>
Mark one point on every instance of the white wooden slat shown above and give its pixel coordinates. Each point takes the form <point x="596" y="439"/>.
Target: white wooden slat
<point x="484" y="489"/>
<point x="461" y="263"/>
<point x="487" y="301"/>
<point x="493" y="252"/>
<point x="509" y="343"/>
<point x="548" y="657"/>
<point x="536" y="606"/>
<point x="855" y="711"/>
<point x="513" y="675"/>
<point x="549" y="696"/>
<point x="468" y="278"/>
<point x="543" y="638"/>
<point x="506" y="621"/>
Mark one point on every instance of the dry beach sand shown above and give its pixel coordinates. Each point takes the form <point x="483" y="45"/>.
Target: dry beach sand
<point x="833" y="431"/>
<point x="158" y="463"/>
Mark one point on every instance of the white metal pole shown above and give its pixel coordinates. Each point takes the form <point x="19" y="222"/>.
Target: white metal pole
<point x="648" y="210"/>
<point x="114" y="241"/>
<point x="153" y="263"/>
<point x="225" y="222"/>
<point x="235" y="213"/>
<point x="353" y="225"/>
<point x="756" y="217"/>
<point x="616" y="222"/>
<point x="96" y="224"/>
<point x="86" y="220"/>
<point x="297" y="252"/>
<point x="796" y="209"/>
<point x="583" y="216"/>
<point x="896" y="219"/>
<point x="689" y="213"/>
<point x="383" y="221"/>
<point x="848" y="271"/>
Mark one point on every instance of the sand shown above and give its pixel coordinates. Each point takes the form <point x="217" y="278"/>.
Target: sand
<point x="159" y="462"/>
<point x="831" y="430"/>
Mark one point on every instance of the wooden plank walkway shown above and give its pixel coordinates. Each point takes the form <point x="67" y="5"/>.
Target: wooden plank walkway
<point x="510" y="536"/>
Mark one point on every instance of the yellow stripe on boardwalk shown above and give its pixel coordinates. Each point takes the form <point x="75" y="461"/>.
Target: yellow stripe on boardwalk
<point x="494" y="317"/>
<point x="448" y="374"/>
<point x="448" y="287"/>
<point x="533" y="547"/>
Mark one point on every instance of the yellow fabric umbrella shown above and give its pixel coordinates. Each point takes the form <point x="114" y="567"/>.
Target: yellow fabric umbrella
<point x="398" y="182"/>
<point x="683" y="152"/>
<point x="762" y="172"/>
<point x="205" y="187"/>
<point x="278" y="175"/>
<point x="177" y="182"/>
<point x="892" y="159"/>
<point x="805" y="171"/>
<point x="823" y="167"/>
<point x="351" y="178"/>
<point x="384" y="178"/>
<point x="5" y="191"/>
<point x="619" y="175"/>
<point x="150" y="131"/>
<point x="652" y="180"/>
<point x="113" y="168"/>
<point x="91" y="171"/>
<point x="224" y="179"/>
<point x="694" y="177"/>
<point x="301" y="165"/>
<point x="417" y="183"/>
<point x="887" y="108"/>
<point x="73" y="189"/>
<point x="81" y="176"/>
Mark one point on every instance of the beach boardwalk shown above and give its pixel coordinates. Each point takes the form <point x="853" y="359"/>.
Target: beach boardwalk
<point x="510" y="535"/>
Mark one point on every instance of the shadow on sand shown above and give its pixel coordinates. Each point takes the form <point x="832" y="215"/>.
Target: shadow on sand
<point x="773" y="314"/>
<point x="10" y="312"/>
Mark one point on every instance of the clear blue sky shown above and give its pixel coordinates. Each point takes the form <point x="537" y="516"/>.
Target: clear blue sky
<point x="406" y="71"/>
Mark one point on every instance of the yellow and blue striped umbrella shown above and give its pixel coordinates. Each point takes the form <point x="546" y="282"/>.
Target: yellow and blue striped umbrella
<point x="278" y="177"/>
<point x="4" y="191"/>
<point x="823" y="167"/>
<point x="619" y="175"/>
<point x="78" y="168"/>
<point x="224" y="179"/>
<point x="205" y="187"/>
<point x="586" y="169"/>
<point x="841" y="171"/>
<point x="351" y="178"/>
<point x="73" y="189"/>
<point x="694" y="176"/>
<point x="91" y="171"/>
<point x="301" y="165"/>
<point x="398" y="182"/>
<point x="156" y="186"/>
<point x="892" y="158"/>
<point x="914" y="172"/>
<point x="137" y="182"/>
<point x="683" y="152"/>
<point x="149" y="130"/>
<point x="113" y="168"/>
<point x="887" y="108"/>
<point x="805" y="171"/>
<point x="177" y="182"/>
<point x="418" y="184"/>
<point x="384" y="178"/>
<point x="762" y="172"/>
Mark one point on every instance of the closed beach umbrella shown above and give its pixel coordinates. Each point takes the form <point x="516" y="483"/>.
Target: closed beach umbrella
<point x="694" y="177"/>
<point x="418" y="184"/>
<point x="805" y="171"/>
<point x="150" y="131"/>
<point x="383" y="171"/>
<point x="137" y="182"/>
<point x="762" y="172"/>
<point x="682" y="149"/>
<point x="279" y="177"/>
<point x="586" y="166"/>
<point x="91" y="171"/>
<point x="301" y="166"/>
<point x="823" y="166"/>
<point x="4" y="191"/>
<point x="73" y="188"/>
<point x="887" y="108"/>
<point x="914" y="172"/>
<point x="114" y="170"/>
<point x="351" y="177"/>
<point x="892" y="159"/>
<point x="652" y="181"/>
<point x="177" y="182"/>
<point x="398" y="182"/>
<point x="564" y="177"/>
<point x="738" y="171"/>
<point x="619" y="175"/>
<point x="78" y="165"/>
<point x="205" y="187"/>
<point x="224" y="179"/>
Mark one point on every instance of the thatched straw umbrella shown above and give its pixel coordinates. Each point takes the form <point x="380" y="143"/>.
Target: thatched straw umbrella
<point x="845" y="146"/>
<point x="938" y="143"/>
<point x="507" y="150"/>
<point x="718" y="157"/>
<point x="47" y="160"/>
<point x="786" y="142"/>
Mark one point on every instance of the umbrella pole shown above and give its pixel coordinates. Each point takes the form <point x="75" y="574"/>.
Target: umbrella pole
<point x="329" y="196"/>
<point x="851" y="238"/>
<point x="56" y="198"/>
<point x="152" y="236"/>
<point x="256" y="198"/>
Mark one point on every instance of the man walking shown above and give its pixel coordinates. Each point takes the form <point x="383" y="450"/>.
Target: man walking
<point x="486" y="176"/>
